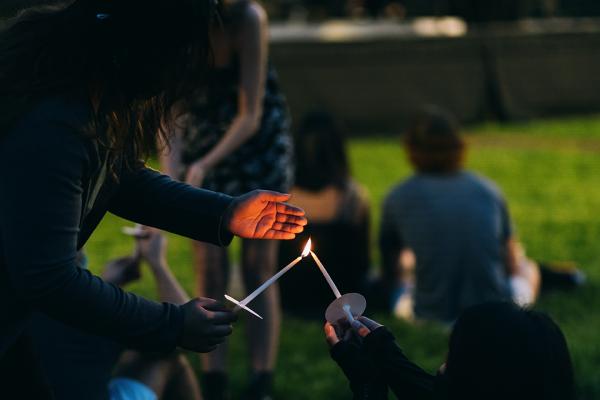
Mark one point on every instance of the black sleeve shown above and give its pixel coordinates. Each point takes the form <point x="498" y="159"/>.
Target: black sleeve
<point x="405" y="379"/>
<point x="365" y="383"/>
<point x="41" y="170"/>
<point x="153" y="199"/>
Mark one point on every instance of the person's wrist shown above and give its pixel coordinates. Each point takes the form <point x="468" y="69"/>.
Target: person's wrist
<point x="180" y="327"/>
<point x="228" y="216"/>
<point x="203" y="165"/>
<point x="160" y="263"/>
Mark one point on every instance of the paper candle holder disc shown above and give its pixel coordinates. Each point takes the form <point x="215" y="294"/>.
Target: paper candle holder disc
<point x="335" y="311"/>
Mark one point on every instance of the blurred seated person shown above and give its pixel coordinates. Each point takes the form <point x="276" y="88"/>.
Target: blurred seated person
<point x="497" y="351"/>
<point x="446" y="237"/>
<point x="77" y="364"/>
<point x="338" y="210"/>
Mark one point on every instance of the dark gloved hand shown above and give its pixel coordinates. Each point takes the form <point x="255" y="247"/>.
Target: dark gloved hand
<point x="206" y="324"/>
<point x="347" y="351"/>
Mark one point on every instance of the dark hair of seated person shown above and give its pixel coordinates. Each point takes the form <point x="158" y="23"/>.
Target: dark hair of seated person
<point x="433" y="142"/>
<point x="341" y="241"/>
<point x="321" y="158"/>
<point x="500" y="351"/>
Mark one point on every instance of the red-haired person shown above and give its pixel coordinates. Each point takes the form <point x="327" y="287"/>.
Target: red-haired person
<point x="446" y="237"/>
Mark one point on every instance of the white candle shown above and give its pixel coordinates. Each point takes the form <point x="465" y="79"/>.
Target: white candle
<point x="269" y="282"/>
<point x="334" y="288"/>
<point x="348" y="311"/>
<point x="240" y="305"/>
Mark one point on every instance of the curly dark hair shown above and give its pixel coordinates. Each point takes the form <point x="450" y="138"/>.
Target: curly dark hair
<point x="501" y="351"/>
<point x="134" y="59"/>
<point x="321" y="158"/>
<point x="433" y="141"/>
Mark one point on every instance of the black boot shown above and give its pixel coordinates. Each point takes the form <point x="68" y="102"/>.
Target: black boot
<point x="215" y="386"/>
<point x="260" y="387"/>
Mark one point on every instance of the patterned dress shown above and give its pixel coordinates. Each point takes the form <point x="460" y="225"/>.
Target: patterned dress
<point x="262" y="162"/>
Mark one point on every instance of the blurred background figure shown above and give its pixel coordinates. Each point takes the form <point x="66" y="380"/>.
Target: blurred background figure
<point x="338" y="211"/>
<point x="236" y="139"/>
<point x="447" y="241"/>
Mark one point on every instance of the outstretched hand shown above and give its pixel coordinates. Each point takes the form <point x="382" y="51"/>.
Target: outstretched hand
<point x="262" y="214"/>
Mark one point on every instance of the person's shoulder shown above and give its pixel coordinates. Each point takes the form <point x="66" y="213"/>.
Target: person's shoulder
<point x="254" y="15"/>
<point x="405" y="186"/>
<point x="67" y="111"/>
<point x="484" y="183"/>
<point x="402" y="189"/>
<point x="56" y="122"/>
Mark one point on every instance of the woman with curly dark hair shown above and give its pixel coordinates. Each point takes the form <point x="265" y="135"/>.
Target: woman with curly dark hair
<point x="85" y="88"/>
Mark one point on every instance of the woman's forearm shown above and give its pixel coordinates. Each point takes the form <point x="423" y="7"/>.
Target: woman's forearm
<point x="242" y="128"/>
<point x="169" y="154"/>
<point x="169" y="289"/>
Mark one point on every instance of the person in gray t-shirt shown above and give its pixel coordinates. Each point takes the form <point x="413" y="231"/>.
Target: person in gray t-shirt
<point x="457" y="226"/>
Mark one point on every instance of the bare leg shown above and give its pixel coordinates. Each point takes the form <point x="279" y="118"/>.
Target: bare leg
<point x="212" y="273"/>
<point x="170" y="375"/>
<point x="169" y="289"/>
<point x="184" y="384"/>
<point x="259" y="262"/>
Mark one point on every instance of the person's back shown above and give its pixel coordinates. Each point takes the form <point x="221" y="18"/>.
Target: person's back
<point x="456" y="225"/>
<point x="454" y="222"/>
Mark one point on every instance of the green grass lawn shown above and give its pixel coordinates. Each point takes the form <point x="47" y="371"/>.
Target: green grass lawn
<point x="550" y="173"/>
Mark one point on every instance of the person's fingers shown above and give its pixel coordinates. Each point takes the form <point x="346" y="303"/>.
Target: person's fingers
<point x="278" y="235"/>
<point x="348" y="334"/>
<point x="207" y="303"/>
<point x="222" y="317"/>
<point x="221" y="330"/>
<point x="270" y="195"/>
<point x="216" y="341"/>
<point x="278" y="226"/>
<point x="288" y="209"/>
<point x="213" y="305"/>
<point x="330" y="334"/>
<point x="291" y="219"/>
<point x="360" y="328"/>
<point x="369" y="323"/>
<point x="208" y="349"/>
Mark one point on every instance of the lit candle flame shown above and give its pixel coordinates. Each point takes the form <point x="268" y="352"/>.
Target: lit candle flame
<point x="307" y="248"/>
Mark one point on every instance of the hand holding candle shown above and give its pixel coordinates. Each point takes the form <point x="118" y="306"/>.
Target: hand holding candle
<point x="346" y="306"/>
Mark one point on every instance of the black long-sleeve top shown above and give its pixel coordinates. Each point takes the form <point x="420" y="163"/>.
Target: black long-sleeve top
<point x="381" y="362"/>
<point x="55" y="187"/>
